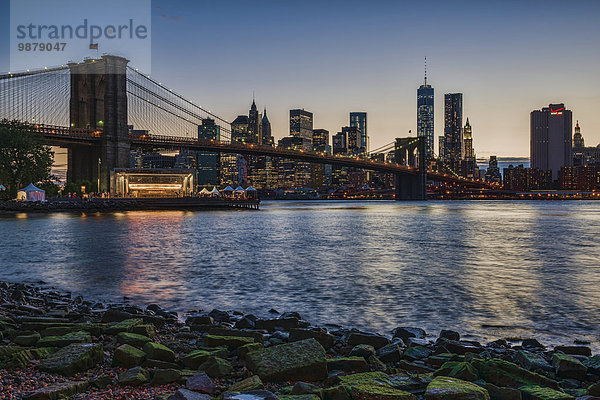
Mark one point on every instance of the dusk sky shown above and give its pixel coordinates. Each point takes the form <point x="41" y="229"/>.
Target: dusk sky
<point x="333" y="57"/>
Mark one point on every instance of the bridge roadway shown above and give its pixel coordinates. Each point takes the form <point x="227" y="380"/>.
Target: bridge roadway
<point x="59" y="135"/>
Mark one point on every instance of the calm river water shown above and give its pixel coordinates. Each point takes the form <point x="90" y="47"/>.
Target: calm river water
<point x="492" y="269"/>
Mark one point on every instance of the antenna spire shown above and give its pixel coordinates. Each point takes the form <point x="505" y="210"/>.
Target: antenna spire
<point x="425" y="70"/>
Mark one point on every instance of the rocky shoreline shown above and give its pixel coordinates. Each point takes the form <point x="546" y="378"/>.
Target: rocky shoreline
<point x="55" y="346"/>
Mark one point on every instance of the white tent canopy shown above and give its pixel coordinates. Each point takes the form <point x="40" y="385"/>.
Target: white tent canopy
<point x="239" y="189"/>
<point x="204" y="191"/>
<point x="2" y="187"/>
<point x="228" y="189"/>
<point x="31" y="193"/>
<point x="250" y="188"/>
<point x="214" y="190"/>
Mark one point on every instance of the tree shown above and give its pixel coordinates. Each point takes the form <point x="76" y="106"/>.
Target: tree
<point x="24" y="156"/>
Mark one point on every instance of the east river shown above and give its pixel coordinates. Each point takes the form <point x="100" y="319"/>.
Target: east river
<point x="492" y="269"/>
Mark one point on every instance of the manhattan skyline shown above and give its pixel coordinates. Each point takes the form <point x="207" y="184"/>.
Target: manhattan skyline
<point x="506" y="58"/>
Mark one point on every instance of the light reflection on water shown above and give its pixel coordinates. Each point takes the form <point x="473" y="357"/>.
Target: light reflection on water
<point x="492" y="269"/>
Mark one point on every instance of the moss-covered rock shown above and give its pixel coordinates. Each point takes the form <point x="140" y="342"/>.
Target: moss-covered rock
<point x="74" y="358"/>
<point x="197" y="357"/>
<point x="446" y="388"/>
<point x="123" y="326"/>
<point x="458" y="370"/>
<point x="20" y="358"/>
<point x="319" y="334"/>
<point x="216" y="367"/>
<point x="593" y="364"/>
<point x="412" y="383"/>
<point x="156" y="351"/>
<point x="248" y="348"/>
<point x="302" y="360"/>
<point x="132" y="339"/>
<point x="532" y="361"/>
<point x="416" y="353"/>
<point x="389" y="353"/>
<point x="27" y="340"/>
<point x="127" y="356"/>
<point x="58" y="391"/>
<point x="535" y="392"/>
<point x="134" y="377"/>
<point x="372" y="386"/>
<point x="303" y="388"/>
<point x="144" y="330"/>
<point x="568" y="367"/>
<point x="506" y="374"/>
<point x="65" y="340"/>
<point x="376" y="341"/>
<point x="347" y="364"/>
<point x="165" y="376"/>
<point x="500" y="393"/>
<point x="252" y="383"/>
<point x="231" y="342"/>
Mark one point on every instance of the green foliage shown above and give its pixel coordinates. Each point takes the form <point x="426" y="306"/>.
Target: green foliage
<point x="24" y="156"/>
<point x="75" y="187"/>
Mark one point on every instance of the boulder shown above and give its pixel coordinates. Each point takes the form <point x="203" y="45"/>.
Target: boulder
<point x="372" y="386"/>
<point x="27" y="340"/>
<point x="124" y="326"/>
<point x="574" y="350"/>
<point x="412" y="383"/>
<point x="133" y="339"/>
<point x="134" y="377"/>
<point x="252" y="383"/>
<point x="248" y="348"/>
<point x="319" y="334"/>
<point x="65" y="340"/>
<point x="144" y="330"/>
<point x="506" y="374"/>
<point x="593" y="364"/>
<point x="184" y="394"/>
<point x="304" y="388"/>
<point x="216" y="367"/>
<point x="407" y="332"/>
<point x="416" y="353"/>
<point x="72" y="359"/>
<point x="250" y="395"/>
<point x="222" y="331"/>
<point x="197" y="357"/>
<point x="200" y="383"/>
<point x="199" y="320"/>
<point x="127" y="356"/>
<point x="456" y="347"/>
<point x="376" y="341"/>
<point x="231" y="342"/>
<point x="532" y="343"/>
<point x="60" y="390"/>
<point x="536" y="392"/>
<point x="532" y="361"/>
<point x="568" y="367"/>
<point x="302" y="360"/>
<point x="448" y="334"/>
<point x="347" y="364"/>
<point x="500" y="393"/>
<point x="389" y="353"/>
<point x="459" y="370"/>
<point x="156" y="351"/>
<point x="363" y="350"/>
<point x="446" y="388"/>
<point x="101" y="381"/>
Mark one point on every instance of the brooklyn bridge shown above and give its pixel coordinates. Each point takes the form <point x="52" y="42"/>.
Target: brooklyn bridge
<point x="88" y="108"/>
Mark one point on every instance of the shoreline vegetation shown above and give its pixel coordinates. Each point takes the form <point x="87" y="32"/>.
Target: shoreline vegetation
<point x="56" y="346"/>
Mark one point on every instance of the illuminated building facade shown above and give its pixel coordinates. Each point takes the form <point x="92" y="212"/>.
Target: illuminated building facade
<point x="551" y="138"/>
<point x="581" y="178"/>
<point x="301" y="125"/>
<point x="208" y="162"/>
<point x="493" y="174"/>
<point x="453" y="133"/>
<point x="520" y="179"/>
<point x="425" y="113"/>
<point x="469" y="167"/>
<point x="584" y="155"/>
<point x="359" y="120"/>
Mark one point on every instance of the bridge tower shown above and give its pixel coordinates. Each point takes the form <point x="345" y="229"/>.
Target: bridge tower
<point x="99" y="102"/>
<point x="411" y="152"/>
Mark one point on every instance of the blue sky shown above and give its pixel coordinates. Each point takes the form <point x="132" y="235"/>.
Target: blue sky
<point x="333" y="57"/>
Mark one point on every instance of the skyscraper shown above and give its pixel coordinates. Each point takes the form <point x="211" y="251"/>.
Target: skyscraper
<point x="468" y="138"/>
<point x="254" y="125"/>
<point x="578" y="141"/>
<point x="267" y="137"/>
<point x="425" y="113"/>
<point x="551" y="139"/>
<point x="320" y="138"/>
<point x="208" y="162"/>
<point x="359" y="120"/>
<point x="301" y="125"/>
<point x="453" y="134"/>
